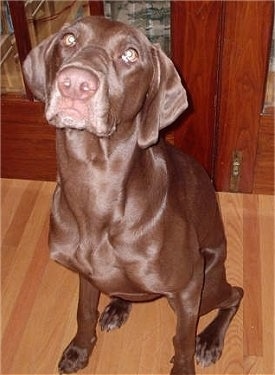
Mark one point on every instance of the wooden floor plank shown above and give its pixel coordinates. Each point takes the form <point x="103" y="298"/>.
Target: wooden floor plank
<point x="253" y="327"/>
<point x="39" y="297"/>
<point x="267" y="273"/>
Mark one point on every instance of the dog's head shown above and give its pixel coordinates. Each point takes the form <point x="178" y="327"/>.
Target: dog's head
<point x="98" y="75"/>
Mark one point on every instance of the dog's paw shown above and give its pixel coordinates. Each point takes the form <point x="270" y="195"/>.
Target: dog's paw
<point x="115" y="314"/>
<point x="208" y="348"/>
<point x="73" y="359"/>
<point x="181" y="367"/>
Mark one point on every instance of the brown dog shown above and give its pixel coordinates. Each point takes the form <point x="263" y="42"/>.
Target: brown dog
<point x="133" y="216"/>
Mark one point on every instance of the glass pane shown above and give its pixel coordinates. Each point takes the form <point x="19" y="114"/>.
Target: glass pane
<point x="11" y="78"/>
<point x="270" y="84"/>
<point x="152" y="17"/>
<point x="44" y="18"/>
<point x="47" y="17"/>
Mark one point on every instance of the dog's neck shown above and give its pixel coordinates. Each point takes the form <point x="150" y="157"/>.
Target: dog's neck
<point x="76" y="146"/>
<point x="102" y="170"/>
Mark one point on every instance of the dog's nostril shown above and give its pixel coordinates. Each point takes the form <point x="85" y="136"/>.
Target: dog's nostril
<point x="86" y="87"/>
<point x="67" y="82"/>
<point x="77" y="83"/>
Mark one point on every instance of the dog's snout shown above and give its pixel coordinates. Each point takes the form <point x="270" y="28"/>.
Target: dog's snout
<point x="77" y="83"/>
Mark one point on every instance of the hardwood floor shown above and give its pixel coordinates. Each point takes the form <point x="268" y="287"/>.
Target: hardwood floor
<point x="39" y="297"/>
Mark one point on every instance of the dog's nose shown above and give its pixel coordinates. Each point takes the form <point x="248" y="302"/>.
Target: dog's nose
<point x="77" y="83"/>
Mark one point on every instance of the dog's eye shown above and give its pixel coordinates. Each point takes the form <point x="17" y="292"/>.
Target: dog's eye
<point x="130" y="55"/>
<point x="69" y="40"/>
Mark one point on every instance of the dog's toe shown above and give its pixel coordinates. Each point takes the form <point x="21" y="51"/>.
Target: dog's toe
<point x="208" y="349"/>
<point x="115" y="315"/>
<point x="73" y="359"/>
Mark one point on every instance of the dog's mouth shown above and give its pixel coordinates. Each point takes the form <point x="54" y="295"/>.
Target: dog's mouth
<point x="67" y="119"/>
<point x="70" y="118"/>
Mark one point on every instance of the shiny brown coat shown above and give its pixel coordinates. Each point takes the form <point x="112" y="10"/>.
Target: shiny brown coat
<point x="136" y="218"/>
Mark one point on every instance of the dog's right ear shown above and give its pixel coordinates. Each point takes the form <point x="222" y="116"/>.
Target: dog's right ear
<point x="165" y="100"/>
<point x="34" y="67"/>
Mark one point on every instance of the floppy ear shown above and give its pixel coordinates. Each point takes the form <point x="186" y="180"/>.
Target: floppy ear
<point x="34" y="70"/>
<point x="37" y="68"/>
<point x="165" y="101"/>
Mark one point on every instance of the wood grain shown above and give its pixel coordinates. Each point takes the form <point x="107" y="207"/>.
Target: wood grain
<point x="247" y="32"/>
<point x="28" y="141"/>
<point x="264" y="165"/>
<point x="39" y="297"/>
<point x="195" y="28"/>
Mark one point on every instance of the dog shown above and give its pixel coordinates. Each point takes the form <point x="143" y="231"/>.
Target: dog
<point x="134" y="216"/>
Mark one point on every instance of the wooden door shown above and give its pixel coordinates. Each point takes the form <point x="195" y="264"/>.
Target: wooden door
<point x="222" y="50"/>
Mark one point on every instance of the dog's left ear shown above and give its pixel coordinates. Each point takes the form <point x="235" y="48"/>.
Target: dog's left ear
<point x="165" y="101"/>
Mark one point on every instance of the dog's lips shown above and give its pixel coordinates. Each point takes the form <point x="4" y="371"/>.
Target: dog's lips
<point x="80" y="115"/>
<point x="74" y="120"/>
<point x="66" y="112"/>
<point x="65" y="121"/>
<point x="71" y="113"/>
<point x="70" y="118"/>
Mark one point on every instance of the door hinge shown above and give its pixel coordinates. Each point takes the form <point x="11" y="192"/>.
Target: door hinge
<point x="235" y="171"/>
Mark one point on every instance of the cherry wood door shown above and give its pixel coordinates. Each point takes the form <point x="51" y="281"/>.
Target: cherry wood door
<point x="221" y="50"/>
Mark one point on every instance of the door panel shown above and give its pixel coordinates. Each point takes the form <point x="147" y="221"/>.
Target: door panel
<point x="245" y="52"/>
<point x="27" y="141"/>
<point x="195" y="46"/>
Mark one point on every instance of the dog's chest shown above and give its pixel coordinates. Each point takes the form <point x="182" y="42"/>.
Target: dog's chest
<point x="114" y="271"/>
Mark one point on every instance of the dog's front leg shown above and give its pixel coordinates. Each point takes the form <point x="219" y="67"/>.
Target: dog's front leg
<point x="76" y="355"/>
<point x="186" y="306"/>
